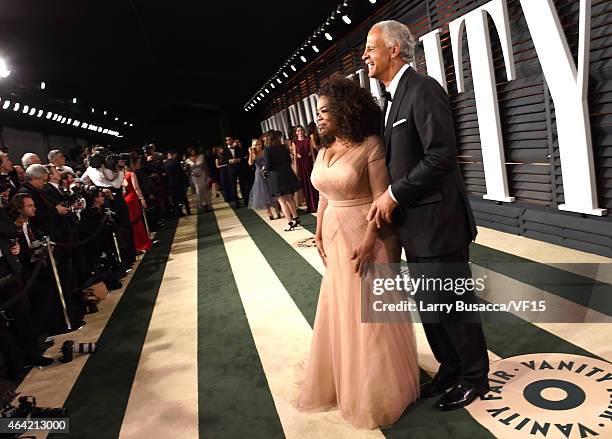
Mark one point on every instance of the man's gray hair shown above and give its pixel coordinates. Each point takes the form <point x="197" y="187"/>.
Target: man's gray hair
<point x="394" y="32"/>
<point x="28" y="159"/>
<point x="53" y="154"/>
<point x="36" y="171"/>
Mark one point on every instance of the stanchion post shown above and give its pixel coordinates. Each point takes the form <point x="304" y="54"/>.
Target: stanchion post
<point x="58" y="283"/>
<point x="144" y="217"/>
<point x="117" y="247"/>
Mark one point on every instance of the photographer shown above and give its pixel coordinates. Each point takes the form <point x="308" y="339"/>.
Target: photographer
<point x="49" y="211"/>
<point x="17" y="315"/>
<point x="105" y="171"/>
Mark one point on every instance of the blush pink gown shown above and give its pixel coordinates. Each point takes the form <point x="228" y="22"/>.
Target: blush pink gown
<point x="369" y="371"/>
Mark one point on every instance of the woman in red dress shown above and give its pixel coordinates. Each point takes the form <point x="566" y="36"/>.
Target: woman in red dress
<point x="136" y="202"/>
<point x="303" y="154"/>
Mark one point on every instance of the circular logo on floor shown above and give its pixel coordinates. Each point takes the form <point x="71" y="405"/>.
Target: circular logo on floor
<point x="306" y="242"/>
<point x="553" y="396"/>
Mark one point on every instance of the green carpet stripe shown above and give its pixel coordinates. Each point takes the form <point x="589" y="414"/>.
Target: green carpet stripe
<point x="302" y="282"/>
<point x="578" y="289"/>
<point x="234" y="400"/>
<point x="101" y="392"/>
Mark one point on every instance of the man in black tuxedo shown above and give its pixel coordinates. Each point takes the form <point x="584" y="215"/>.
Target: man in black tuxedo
<point x="177" y="183"/>
<point x="233" y="155"/>
<point x="428" y="205"/>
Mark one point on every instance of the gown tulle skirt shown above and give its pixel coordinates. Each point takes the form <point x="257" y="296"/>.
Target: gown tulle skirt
<point x="368" y="371"/>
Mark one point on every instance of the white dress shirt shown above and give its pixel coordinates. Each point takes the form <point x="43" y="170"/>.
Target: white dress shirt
<point x="26" y="233"/>
<point x="392" y="88"/>
<point x="103" y="177"/>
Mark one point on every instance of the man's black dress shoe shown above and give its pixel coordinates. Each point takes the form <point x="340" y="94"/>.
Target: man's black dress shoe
<point x="436" y="388"/>
<point x="460" y="396"/>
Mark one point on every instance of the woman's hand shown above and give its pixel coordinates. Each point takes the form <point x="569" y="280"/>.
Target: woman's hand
<point x="319" y="242"/>
<point x="362" y="255"/>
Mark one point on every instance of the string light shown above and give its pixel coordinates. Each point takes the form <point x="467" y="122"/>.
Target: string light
<point x="342" y="11"/>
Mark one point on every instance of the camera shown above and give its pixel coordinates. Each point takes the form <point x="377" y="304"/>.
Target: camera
<point x="38" y="249"/>
<point x="107" y="159"/>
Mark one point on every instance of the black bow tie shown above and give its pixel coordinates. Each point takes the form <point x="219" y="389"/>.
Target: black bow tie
<point x="386" y="96"/>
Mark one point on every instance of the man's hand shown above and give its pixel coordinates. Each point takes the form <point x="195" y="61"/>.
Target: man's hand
<point x="382" y="209"/>
<point x="61" y="209"/>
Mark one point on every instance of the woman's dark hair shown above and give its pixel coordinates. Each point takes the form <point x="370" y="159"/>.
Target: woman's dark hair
<point x="191" y="151"/>
<point x="274" y="137"/>
<point x="134" y="161"/>
<point x="352" y="108"/>
<point x="311" y="129"/>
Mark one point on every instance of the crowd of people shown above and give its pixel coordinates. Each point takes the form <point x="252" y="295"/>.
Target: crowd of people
<point x="69" y="226"/>
<point x="68" y="231"/>
<point x="272" y="175"/>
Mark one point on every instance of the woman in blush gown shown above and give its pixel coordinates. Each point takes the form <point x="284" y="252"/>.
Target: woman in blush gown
<point x="369" y="371"/>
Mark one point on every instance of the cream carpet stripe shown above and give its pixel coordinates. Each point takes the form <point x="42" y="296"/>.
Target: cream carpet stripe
<point x="281" y="333"/>
<point x="52" y="385"/>
<point x="546" y="253"/>
<point x="163" y="401"/>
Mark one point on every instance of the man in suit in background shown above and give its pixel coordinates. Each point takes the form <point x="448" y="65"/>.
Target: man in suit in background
<point x="6" y="168"/>
<point x="177" y="183"/>
<point x="428" y="206"/>
<point x="233" y="156"/>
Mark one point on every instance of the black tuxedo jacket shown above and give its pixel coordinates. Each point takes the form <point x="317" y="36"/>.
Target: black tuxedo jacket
<point x="434" y="216"/>
<point x="54" y="193"/>
<point x="226" y="155"/>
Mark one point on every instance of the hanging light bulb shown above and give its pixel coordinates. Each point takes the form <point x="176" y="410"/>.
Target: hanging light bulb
<point x="328" y="36"/>
<point x="43" y="85"/>
<point x="303" y="58"/>
<point x="346" y="19"/>
<point x="6" y="105"/>
<point x="293" y="68"/>
<point x="315" y="48"/>
<point x="74" y="100"/>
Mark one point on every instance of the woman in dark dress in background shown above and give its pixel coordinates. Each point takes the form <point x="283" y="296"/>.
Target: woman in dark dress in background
<point x="281" y="179"/>
<point x="304" y="157"/>
<point x="313" y="134"/>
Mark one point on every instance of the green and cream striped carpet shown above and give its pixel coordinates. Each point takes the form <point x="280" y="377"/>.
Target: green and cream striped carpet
<point x="206" y="339"/>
